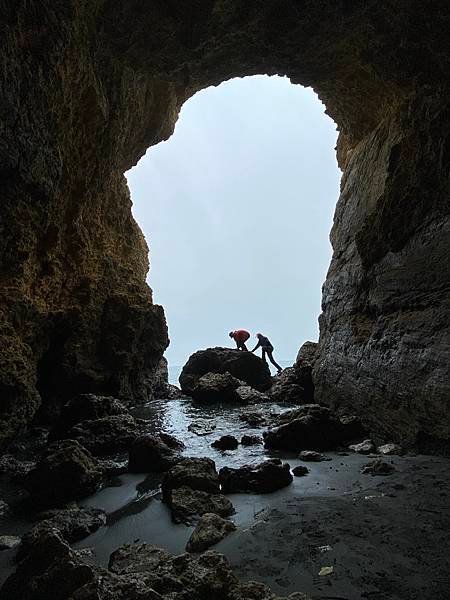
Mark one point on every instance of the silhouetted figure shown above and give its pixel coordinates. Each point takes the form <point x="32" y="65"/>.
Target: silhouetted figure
<point x="267" y="348"/>
<point x="240" y="336"/>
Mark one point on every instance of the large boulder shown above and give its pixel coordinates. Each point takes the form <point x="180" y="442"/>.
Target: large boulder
<point x="245" y="366"/>
<point x="196" y="473"/>
<point x="85" y="407"/>
<point x="152" y="453"/>
<point x="66" y="472"/>
<point x="209" y="531"/>
<point x="72" y="525"/>
<point x="107" y="435"/>
<point x="311" y="427"/>
<point x="187" y="505"/>
<point x="216" y="387"/>
<point x="294" y="385"/>
<point x="263" y="478"/>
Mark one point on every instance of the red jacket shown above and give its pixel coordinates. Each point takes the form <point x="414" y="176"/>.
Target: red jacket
<point x="241" y="335"/>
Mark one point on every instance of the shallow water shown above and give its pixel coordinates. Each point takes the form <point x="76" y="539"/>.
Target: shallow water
<point x="133" y="503"/>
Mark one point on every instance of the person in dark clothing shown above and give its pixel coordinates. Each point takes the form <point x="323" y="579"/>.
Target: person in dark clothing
<point x="267" y="348"/>
<point x="240" y="336"/>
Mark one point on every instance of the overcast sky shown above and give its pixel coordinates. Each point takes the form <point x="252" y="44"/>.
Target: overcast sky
<point x="236" y="208"/>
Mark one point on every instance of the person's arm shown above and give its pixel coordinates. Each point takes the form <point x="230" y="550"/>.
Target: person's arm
<point x="257" y="346"/>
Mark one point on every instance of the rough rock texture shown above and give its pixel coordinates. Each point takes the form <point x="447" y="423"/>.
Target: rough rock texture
<point x="226" y="442"/>
<point x="85" y="407"/>
<point x="263" y="478"/>
<point x="67" y="472"/>
<point x="187" y="504"/>
<point x="209" y="531"/>
<point x="311" y="427"/>
<point x="87" y="87"/>
<point x="161" y="388"/>
<point x="196" y="473"/>
<point x="243" y="366"/>
<point x="293" y="384"/>
<point x="151" y="453"/>
<point x="216" y="387"/>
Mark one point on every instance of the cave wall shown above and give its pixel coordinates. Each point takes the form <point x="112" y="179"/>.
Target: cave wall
<point x="87" y="87"/>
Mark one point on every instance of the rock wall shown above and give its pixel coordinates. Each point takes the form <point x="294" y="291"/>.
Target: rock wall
<point x="87" y="87"/>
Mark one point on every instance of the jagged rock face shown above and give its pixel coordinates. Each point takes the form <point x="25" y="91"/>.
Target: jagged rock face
<point x="88" y="87"/>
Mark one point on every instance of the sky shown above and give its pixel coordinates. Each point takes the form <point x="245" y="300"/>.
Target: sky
<point x="236" y="208"/>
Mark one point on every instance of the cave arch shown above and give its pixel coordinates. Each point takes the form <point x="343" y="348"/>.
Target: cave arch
<point x="88" y="87"/>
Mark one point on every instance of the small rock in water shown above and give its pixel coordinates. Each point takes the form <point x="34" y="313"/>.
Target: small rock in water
<point x="226" y="442"/>
<point x="209" y="531"/>
<point x="249" y="395"/>
<point x="7" y="542"/>
<point x="300" y="471"/>
<point x="187" y="505"/>
<point x="196" y="473"/>
<point x="310" y="456"/>
<point x="389" y="449"/>
<point x="254" y="419"/>
<point x="250" y="440"/>
<point x="365" y="447"/>
<point x="201" y="427"/>
<point x="377" y="467"/>
<point x="262" y="478"/>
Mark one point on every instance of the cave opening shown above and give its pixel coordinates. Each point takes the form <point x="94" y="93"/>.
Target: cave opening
<point x="236" y="208"/>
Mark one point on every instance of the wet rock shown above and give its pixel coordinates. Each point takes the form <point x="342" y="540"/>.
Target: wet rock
<point x="209" y="531"/>
<point x="377" y="467"/>
<point x="309" y="427"/>
<point x="15" y="468"/>
<point x="216" y="387"/>
<point x="51" y="570"/>
<point x="86" y="407"/>
<point x="310" y="456"/>
<point x="161" y="388"/>
<point x="249" y="395"/>
<point x="187" y="505"/>
<point x="8" y="542"/>
<point x="251" y="440"/>
<point x="365" y="447"/>
<point x="105" y="436"/>
<point x="262" y="478"/>
<point x="152" y="453"/>
<point x="294" y="385"/>
<point x="172" y="441"/>
<point x="196" y="473"/>
<point x="67" y="472"/>
<point x="254" y="419"/>
<point x="390" y="449"/>
<point x="72" y="525"/>
<point x="300" y="471"/>
<point x="244" y="366"/>
<point x="226" y="442"/>
<point x="201" y="427"/>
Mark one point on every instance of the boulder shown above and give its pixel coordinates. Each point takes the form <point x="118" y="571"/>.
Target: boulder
<point x="209" y="531"/>
<point x="294" y="385"/>
<point x="152" y="453"/>
<point x="253" y="418"/>
<point x="310" y="456"/>
<point x="244" y="366"/>
<point x="196" y="473"/>
<point x="161" y="388"/>
<point x="307" y="354"/>
<point x="72" y="525"/>
<point x="251" y="440"/>
<point x="249" y="395"/>
<point x="187" y="505"/>
<point x="309" y="427"/>
<point x="105" y="436"/>
<point x="216" y="387"/>
<point x="365" y="447"/>
<point x="66" y="472"/>
<point x="377" y="467"/>
<point x="262" y="478"/>
<point x="300" y="471"/>
<point x="390" y="449"/>
<point x="85" y="407"/>
<point x="226" y="442"/>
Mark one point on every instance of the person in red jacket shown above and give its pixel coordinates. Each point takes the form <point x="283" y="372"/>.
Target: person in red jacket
<point x="267" y="348"/>
<point x="240" y="336"/>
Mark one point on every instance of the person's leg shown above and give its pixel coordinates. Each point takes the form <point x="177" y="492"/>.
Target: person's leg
<point x="263" y="354"/>
<point x="272" y="360"/>
<point x="244" y="347"/>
